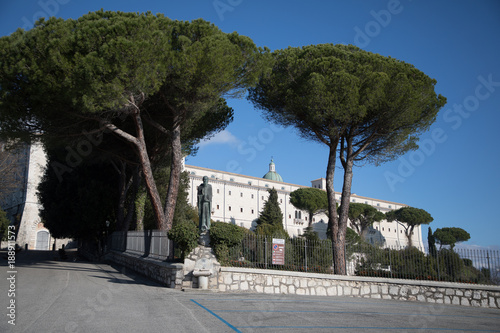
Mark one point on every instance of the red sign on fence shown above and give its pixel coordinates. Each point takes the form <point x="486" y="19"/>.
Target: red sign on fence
<point x="278" y="251"/>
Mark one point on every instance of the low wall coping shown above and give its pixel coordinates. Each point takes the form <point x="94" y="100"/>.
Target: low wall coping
<point x="154" y="261"/>
<point x="437" y="284"/>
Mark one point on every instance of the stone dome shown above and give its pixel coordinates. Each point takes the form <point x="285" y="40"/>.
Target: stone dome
<point x="272" y="174"/>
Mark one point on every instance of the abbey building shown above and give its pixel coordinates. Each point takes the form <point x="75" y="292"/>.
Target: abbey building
<point x="239" y="199"/>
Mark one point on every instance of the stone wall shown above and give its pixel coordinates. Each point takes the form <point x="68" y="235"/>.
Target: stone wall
<point x="231" y="279"/>
<point x="297" y="283"/>
<point x="168" y="274"/>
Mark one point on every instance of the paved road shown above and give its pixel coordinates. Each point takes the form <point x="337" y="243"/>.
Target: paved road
<point x="66" y="296"/>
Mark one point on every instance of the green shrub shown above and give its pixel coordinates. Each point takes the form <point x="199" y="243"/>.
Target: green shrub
<point x="185" y="236"/>
<point x="224" y="236"/>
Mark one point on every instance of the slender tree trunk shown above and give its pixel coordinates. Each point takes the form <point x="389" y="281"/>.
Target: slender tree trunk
<point x="332" y="207"/>
<point x="344" y="213"/>
<point x="147" y="171"/>
<point x="175" y="176"/>
<point x="310" y="224"/>
<point x="409" y="234"/>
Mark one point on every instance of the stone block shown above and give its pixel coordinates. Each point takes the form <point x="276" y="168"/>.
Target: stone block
<point x="421" y="298"/>
<point x="365" y="290"/>
<point x="331" y="291"/>
<point x="276" y="282"/>
<point x="303" y="283"/>
<point x="268" y="290"/>
<point x="476" y="295"/>
<point x="403" y="291"/>
<point x="347" y="291"/>
<point x="374" y="289"/>
<point x="283" y="289"/>
<point x="301" y="291"/>
<point x="259" y="288"/>
<point x="459" y="292"/>
<point x="228" y="279"/>
<point x="449" y="292"/>
<point x="384" y="289"/>
<point x="394" y="290"/>
<point x="484" y="303"/>
<point x="468" y="293"/>
<point x="244" y="286"/>
<point x="321" y="291"/>
<point x="291" y="289"/>
<point x="311" y="283"/>
<point x="492" y="302"/>
<point x="269" y="281"/>
<point x="464" y="301"/>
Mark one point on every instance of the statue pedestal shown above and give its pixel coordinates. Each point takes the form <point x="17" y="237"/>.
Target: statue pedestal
<point x="201" y="268"/>
<point x="204" y="239"/>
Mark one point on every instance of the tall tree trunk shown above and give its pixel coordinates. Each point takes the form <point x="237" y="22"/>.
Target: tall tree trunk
<point x="344" y="214"/>
<point x="310" y="224"/>
<point x="409" y="233"/>
<point x="140" y="145"/>
<point x="330" y="192"/>
<point x="147" y="171"/>
<point x="175" y="176"/>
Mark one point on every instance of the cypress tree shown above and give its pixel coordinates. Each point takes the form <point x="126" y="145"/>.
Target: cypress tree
<point x="271" y="214"/>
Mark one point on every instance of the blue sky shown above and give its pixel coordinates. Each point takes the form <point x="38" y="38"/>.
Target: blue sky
<point x="454" y="175"/>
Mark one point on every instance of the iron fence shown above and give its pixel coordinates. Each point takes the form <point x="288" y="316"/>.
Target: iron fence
<point x="147" y="243"/>
<point x="457" y="265"/>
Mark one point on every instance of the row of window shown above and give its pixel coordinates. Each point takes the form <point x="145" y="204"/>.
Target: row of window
<point x="389" y="230"/>
<point x="366" y="202"/>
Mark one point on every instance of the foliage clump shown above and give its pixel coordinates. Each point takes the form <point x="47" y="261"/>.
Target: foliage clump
<point x="224" y="236"/>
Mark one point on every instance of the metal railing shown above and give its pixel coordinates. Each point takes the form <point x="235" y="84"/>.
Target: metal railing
<point x="458" y="265"/>
<point x="147" y="243"/>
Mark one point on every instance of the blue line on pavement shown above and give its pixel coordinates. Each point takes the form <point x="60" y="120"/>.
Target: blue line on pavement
<point x="370" y="328"/>
<point x="216" y="316"/>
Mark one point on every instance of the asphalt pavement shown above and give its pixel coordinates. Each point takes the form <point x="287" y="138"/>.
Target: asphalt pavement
<point x="55" y="295"/>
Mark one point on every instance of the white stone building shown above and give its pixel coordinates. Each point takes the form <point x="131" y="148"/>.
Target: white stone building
<point x="21" y="203"/>
<point x="239" y="199"/>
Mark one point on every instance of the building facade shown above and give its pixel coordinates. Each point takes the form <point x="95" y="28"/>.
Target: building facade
<point x="239" y="199"/>
<point x="26" y="166"/>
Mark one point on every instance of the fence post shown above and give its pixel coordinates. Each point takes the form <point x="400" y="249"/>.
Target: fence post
<point x="390" y="261"/>
<point x="265" y="251"/>
<point x="345" y="257"/>
<point x="305" y="253"/>
<point x="437" y="261"/>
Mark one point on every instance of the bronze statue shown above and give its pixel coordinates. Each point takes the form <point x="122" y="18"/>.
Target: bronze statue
<point x="205" y="204"/>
